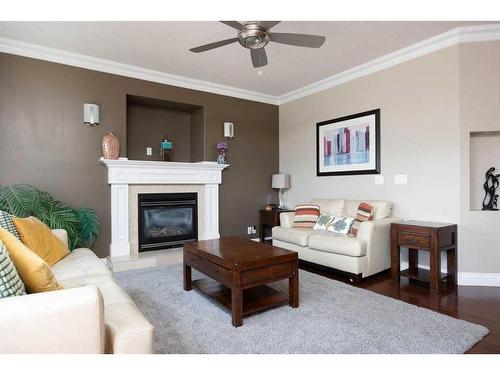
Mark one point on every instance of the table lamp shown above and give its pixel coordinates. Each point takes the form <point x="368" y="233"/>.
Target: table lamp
<point x="281" y="181"/>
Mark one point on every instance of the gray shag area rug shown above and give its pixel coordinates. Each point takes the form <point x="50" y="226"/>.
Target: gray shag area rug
<point x="333" y="317"/>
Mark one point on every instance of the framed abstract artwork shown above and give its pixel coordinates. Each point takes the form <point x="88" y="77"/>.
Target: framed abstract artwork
<point x="349" y="145"/>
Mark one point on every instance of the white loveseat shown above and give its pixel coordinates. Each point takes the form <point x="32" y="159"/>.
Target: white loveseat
<point x="92" y="314"/>
<point x="359" y="256"/>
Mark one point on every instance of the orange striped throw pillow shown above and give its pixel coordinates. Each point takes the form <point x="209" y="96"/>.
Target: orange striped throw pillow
<point x="306" y="215"/>
<point x="364" y="213"/>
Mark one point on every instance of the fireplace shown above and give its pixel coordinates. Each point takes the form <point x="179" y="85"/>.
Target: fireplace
<point x="167" y="220"/>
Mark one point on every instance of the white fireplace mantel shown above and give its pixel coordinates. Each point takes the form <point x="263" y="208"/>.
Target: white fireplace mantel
<point x="124" y="172"/>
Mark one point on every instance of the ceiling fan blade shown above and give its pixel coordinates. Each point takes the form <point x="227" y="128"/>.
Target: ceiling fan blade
<point x="301" y="40"/>
<point x="213" y="45"/>
<point x="234" y="24"/>
<point x="259" y="57"/>
<point x="268" y="24"/>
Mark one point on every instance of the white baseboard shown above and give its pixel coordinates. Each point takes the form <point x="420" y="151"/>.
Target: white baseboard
<point x="479" y="279"/>
<point x="468" y="278"/>
<point x="257" y="239"/>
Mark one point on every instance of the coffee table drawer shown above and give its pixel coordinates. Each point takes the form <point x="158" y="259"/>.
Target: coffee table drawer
<point x="268" y="274"/>
<point x="411" y="239"/>
<point x="208" y="268"/>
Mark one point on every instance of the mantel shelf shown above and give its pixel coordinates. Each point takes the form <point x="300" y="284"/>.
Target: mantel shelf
<point x="124" y="163"/>
<point x="124" y="171"/>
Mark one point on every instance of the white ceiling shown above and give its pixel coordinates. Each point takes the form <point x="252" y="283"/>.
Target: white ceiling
<point x="164" y="47"/>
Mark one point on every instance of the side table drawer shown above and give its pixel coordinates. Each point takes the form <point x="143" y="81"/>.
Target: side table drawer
<point x="269" y="219"/>
<point x="412" y="239"/>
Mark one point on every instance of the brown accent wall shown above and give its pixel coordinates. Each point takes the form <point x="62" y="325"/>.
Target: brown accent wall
<point x="197" y="135"/>
<point x="43" y="141"/>
<point x="146" y="127"/>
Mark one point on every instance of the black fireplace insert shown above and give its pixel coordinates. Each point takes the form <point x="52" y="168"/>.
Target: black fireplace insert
<point x="167" y="220"/>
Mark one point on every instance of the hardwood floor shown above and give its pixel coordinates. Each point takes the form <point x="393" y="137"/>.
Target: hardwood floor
<point x="476" y="304"/>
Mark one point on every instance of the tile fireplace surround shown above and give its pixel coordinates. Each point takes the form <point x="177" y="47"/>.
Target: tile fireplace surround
<point x="128" y="178"/>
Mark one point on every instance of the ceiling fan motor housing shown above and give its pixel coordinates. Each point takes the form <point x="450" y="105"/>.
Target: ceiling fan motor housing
<point x="253" y="36"/>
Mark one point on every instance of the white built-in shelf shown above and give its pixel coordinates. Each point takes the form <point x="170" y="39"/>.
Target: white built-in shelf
<point x="484" y="153"/>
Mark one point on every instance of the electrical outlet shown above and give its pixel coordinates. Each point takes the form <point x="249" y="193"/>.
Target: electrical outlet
<point x="400" y="179"/>
<point x="149" y="151"/>
<point x="249" y="230"/>
<point x="254" y="229"/>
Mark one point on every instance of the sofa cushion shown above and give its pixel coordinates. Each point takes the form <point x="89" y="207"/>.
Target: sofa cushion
<point x="40" y="239"/>
<point x="341" y="225"/>
<point x="381" y="209"/>
<point x="306" y="216"/>
<point x="34" y="271"/>
<point x="364" y="213"/>
<point x="297" y="236"/>
<point x="334" y="207"/>
<point x="76" y="268"/>
<point x="7" y="223"/>
<point x="338" y="244"/>
<point x="324" y="222"/>
<point x="10" y="282"/>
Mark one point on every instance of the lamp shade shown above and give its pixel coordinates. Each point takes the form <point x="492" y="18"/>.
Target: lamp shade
<point x="281" y="181"/>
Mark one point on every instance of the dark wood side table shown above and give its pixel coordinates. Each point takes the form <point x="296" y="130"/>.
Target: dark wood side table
<point x="269" y="219"/>
<point x="428" y="236"/>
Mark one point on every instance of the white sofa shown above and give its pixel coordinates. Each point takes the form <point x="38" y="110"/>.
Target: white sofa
<point x="93" y="314"/>
<point x="359" y="256"/>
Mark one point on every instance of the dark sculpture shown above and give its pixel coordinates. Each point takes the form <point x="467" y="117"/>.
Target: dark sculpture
<point x="490" y="186"/>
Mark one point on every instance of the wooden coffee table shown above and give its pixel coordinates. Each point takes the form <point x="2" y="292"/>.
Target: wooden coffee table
<point x="238" y="271"/>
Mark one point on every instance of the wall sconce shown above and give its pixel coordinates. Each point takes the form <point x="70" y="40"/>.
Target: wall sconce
<point x="228" y="130"/>
<point x="91" y="114"/>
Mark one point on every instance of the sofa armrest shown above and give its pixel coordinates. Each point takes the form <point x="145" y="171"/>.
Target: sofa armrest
<point x="63" y="321"/>
<point x="377" y="235"/>
<point x="286" y="219"/>
<point x="62" y="235"/>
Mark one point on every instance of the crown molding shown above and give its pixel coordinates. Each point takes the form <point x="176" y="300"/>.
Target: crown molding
<point x="467" y="34"/>
<point x="39" y="52"/>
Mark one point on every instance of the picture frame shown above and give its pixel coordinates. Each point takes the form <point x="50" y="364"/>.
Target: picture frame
<point x="349" y="145"/>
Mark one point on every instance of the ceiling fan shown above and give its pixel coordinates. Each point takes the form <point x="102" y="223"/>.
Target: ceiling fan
<point x="255" y="35"/>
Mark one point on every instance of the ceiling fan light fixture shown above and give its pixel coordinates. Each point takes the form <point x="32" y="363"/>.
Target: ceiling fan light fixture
<point x="253" y="36"/>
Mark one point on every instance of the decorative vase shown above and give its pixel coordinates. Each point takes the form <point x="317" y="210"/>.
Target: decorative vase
<point x="221" y="150"/>
<point x="221" y="158"/>
<point x="110" y="146"/>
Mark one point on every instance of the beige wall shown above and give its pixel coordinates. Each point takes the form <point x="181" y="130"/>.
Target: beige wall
<point x="428" y="107"/>
<point x="479" y="111"/>
<point x="419" y="137"/>
<point x="43" y="141"/>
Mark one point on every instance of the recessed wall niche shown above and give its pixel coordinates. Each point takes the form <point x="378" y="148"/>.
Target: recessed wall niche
<point x="149" y="120"/>
<point x="484" y="153"/>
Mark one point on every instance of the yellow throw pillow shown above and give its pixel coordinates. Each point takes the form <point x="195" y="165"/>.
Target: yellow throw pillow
<point x="40" y="239"/>
<point x="33" y="270"/>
